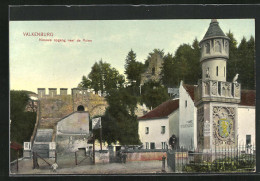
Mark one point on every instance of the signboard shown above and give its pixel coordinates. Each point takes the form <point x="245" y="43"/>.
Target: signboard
<point x="96" y="123"/>
<point x="27" y="145"/>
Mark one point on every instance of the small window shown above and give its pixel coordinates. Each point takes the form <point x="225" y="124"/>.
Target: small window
<point x="152" y="145"/>
<point x="146" y="130"/>
<point x="248" y="139"/>
<point x="186" y="103"/>
<point x="217" y="71"/>
<point x="224" y="71"/>
<point x="163" y="145"/>
<point x="162" y="129"/>
<point x="146" y="145"/>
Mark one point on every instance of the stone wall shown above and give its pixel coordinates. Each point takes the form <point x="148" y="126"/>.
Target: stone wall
<point x="101" y="157"/>
<point x="70" y="143"/>
<point x="53" y="108"/>
<point x="145" y="156"/>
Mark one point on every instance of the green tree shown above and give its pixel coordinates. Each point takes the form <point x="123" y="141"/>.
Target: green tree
<point x="169" y="76"/>
<point x="251" y="76"/>
<point x="22" y="123"/>
<point x="103" y="77"/>
<point x="153" y="94"/>
<point x="95" y="77"/>
<point x="246" y="57"/>
<point x="85" y="83"/>
<point x="133" y="68"/>
<point x="232" y="63"/>
<point x="184" y="65"/>
<point x="120" y="122"/>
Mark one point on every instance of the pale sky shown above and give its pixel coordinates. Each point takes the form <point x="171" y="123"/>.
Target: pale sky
<point x="37" y="64"/>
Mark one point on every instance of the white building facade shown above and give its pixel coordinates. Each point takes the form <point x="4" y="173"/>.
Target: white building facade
<point x="188" y="117"/>
<point x="157" y="126"/>
<point x="246" y="118"/>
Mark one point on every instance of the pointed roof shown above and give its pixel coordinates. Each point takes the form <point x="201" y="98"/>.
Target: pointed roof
<point x="190" y="89"/>
<point x="162" y="111"/>
<point x="214" y="30"/>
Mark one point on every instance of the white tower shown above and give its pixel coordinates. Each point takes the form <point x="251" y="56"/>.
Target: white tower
<point x="216" y="100"/>
<point x="214" y="53"/>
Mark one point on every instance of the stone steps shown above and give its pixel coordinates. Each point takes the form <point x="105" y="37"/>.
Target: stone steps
<point x="41" y="143"/>
<point x="44" y="135"/>
<point x="42" y="149"/>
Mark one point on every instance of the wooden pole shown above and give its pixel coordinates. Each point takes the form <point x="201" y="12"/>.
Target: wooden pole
<point x="76" y="158"/>
<point x="100" y="138"/>
<point x="93" y="148"/>
<point x="55" y="156"/>
<point x="17" y="160"/>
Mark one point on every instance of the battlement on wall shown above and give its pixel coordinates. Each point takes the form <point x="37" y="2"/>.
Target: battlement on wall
<point x="52" y="92"/>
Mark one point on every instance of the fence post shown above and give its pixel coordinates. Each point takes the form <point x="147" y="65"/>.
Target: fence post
<point x="76" y="158"/>
<point x="163" y="164"/>
<point x="55" y="156"/>
<point x="17" y="160"/>
<point x="35" y="161"/>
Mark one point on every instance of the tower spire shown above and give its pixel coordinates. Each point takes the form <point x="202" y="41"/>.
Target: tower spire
<point x="214" y="21"/>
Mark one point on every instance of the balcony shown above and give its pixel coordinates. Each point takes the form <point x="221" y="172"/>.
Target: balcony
<point x="218" y="91"/>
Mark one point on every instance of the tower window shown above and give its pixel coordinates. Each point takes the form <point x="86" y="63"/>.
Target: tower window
<point x="224" y="71"/>
<point x="207" y="48"/>
<point x="153" y="71"/>
<point x="185" y="103"/>
<point x="218" y="47"/>
<point x="217" y="71"/>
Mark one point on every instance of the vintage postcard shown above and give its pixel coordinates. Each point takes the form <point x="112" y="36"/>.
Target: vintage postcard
<point x="132" y="96"/>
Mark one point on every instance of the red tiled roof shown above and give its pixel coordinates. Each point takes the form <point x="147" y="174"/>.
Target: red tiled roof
<point x="163" y="110"/>
<point x="190" y="89"/>
<point x="247" y="98"/>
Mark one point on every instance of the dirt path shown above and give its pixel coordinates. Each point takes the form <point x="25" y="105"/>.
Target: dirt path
<point x="137" y="167"/>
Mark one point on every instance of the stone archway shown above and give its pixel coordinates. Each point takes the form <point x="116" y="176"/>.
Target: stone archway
<point x="80" y="108"/>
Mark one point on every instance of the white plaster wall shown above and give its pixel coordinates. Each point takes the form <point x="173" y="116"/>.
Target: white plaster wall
<point x="154" y="132"/>
<point x="174" y="124"/>
<point x="212" y="64"/>
<point x="76" y="123"/>
<point x="246" y="124"/>
<point x="188" y="123"/>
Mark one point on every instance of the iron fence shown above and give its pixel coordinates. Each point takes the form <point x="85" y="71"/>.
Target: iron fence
<point x="225" y="159"/>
